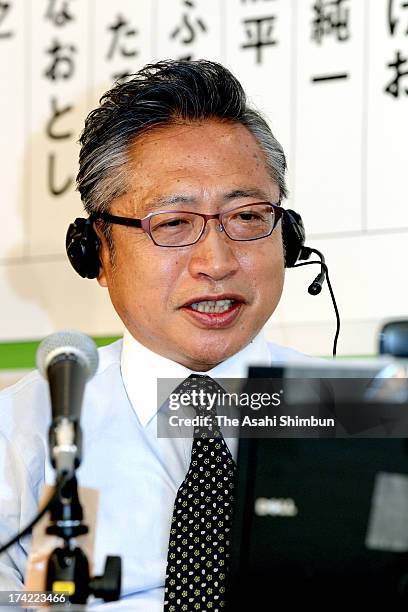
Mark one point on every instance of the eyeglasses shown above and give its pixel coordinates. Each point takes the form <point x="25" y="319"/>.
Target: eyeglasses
<point x="177" y="228"/>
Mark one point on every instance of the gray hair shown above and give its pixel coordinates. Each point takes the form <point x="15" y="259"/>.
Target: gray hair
<point x="162" y="94"/>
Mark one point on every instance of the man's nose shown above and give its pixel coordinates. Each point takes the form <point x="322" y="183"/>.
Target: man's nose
<point x="214" y="254"/>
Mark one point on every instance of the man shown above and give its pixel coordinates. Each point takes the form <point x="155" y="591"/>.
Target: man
<point x="194" y="280"/>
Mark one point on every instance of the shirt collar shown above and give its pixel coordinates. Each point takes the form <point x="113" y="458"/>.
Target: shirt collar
<point x="141" y="368"/>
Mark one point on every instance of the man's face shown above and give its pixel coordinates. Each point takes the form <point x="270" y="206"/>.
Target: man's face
<point x="206" y="167"/>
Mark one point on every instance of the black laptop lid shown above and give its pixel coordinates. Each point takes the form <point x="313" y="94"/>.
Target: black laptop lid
<point x="319" y="521"/>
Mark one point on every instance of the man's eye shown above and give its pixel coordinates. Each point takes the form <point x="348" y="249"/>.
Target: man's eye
<point x="249" y="216"/>
<point x="171" y="223"/>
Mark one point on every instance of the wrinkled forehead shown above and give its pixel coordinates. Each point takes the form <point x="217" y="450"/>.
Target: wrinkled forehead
<point x="209" y="140"/>
<point x="197" y="164"/>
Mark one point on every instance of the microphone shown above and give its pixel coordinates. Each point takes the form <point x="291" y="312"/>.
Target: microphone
<point x="316" y="286"/>
<point x="67" y="359"/>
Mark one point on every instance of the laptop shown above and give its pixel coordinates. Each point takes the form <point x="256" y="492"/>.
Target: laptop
<point x="319" y="521"/>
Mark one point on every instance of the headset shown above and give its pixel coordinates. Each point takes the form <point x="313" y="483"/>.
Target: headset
<point x="82" y="246"/>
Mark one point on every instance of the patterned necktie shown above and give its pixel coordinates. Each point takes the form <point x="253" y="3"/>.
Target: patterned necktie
<point x="198" y="555"/>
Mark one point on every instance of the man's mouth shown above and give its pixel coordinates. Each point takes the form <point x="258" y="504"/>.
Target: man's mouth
<point x="212" y="306"/>
<point x="216" y="312"/>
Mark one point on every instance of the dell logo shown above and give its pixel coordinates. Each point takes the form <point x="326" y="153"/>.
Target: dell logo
<point x="275" y="506"/>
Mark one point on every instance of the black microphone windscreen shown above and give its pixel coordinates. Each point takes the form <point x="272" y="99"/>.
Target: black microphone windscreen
<point x="315" y="288"/>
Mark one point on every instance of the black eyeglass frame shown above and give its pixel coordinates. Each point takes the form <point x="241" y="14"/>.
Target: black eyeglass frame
<point x="144" y="223"/>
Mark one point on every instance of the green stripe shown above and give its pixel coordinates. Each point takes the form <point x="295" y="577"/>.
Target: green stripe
<point x="21" y="355"/>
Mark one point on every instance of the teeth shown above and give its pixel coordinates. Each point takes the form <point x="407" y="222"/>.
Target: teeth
<point x="212" y="306"/>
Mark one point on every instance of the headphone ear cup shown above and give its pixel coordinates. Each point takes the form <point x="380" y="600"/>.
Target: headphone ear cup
<point x="293" y="236"/>
<point x="82" y="246"/>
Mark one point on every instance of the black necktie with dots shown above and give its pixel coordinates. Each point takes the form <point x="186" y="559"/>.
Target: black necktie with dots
<point x="198" y="555"/>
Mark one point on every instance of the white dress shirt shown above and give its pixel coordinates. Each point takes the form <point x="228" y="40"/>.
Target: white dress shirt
<point x="136" y="472"/>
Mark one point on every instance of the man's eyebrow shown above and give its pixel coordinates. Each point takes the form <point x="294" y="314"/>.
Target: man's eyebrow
<point x="176" y="198"/>
<point x="179" y="198"/>
<point x="252" y="192"/>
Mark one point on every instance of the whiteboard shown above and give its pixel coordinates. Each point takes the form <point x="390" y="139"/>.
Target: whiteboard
<point x="331" y="80"/>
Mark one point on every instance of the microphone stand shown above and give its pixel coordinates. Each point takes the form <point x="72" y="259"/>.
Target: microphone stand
<point x="68" y="567"/>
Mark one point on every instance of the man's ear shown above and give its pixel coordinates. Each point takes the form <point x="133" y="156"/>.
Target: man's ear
<point x="104" y="256"/>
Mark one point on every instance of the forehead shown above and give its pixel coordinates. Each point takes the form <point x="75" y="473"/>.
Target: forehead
<point x="200" y="160"/>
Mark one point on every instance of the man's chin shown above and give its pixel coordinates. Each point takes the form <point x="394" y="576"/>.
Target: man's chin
<point x="207" y="355"/>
